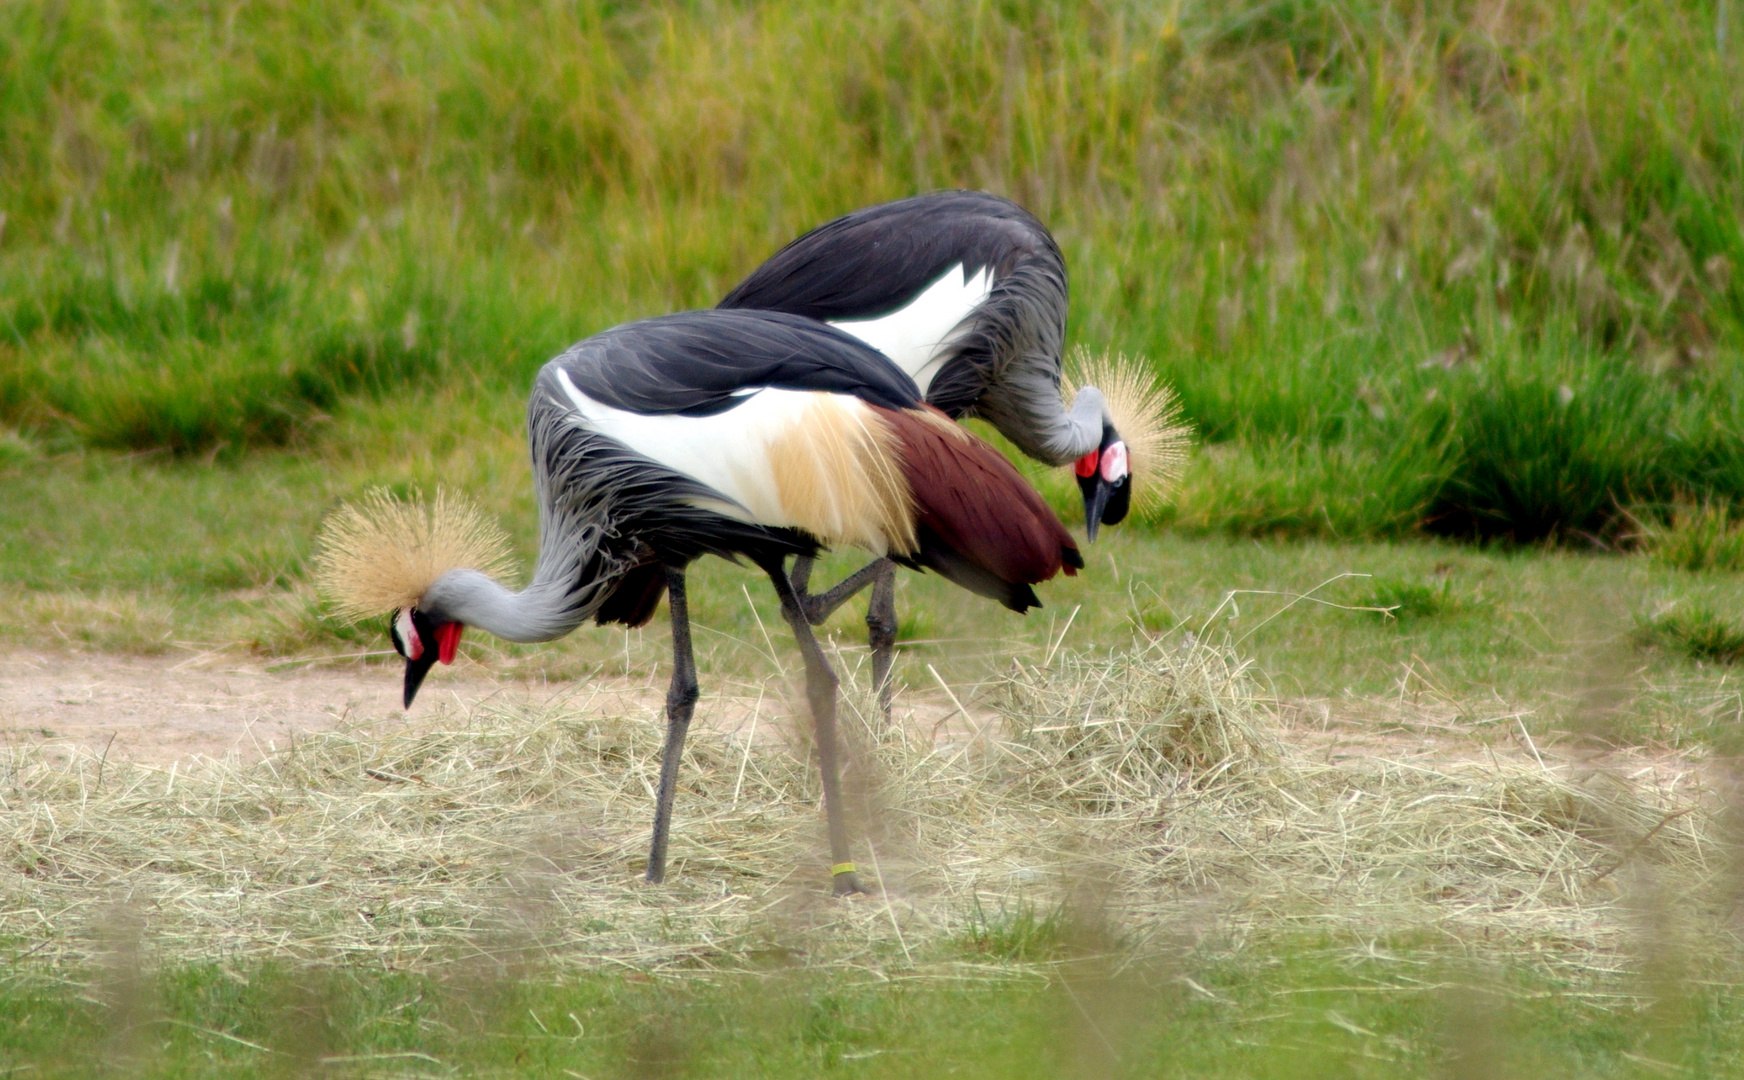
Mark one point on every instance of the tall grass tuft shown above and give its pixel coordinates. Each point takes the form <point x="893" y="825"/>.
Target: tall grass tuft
<point x="1697" y="538"/>
<point x="1695" y="632"/>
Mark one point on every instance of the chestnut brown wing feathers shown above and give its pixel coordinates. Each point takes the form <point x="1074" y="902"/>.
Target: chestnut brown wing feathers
<point x="979" y="523"/>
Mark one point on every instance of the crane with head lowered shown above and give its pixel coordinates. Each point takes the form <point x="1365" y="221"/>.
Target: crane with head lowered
<point x="965" y="292"/>
<point x="743" y="434"/>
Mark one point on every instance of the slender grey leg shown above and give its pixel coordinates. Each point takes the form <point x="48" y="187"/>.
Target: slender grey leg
<point x="880" y="616"/>
<point x="821" y="606"/>
<point x="881" y="631"/>
<point x="820" y="687"/>
<point x="680" y="703"/>
<point x="801" y="576"/>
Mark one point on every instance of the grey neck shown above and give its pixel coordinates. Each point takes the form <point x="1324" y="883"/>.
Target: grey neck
<point x="578" y="566"/>
<point x="540" y="612"/>
<point x="1031" y="414"/>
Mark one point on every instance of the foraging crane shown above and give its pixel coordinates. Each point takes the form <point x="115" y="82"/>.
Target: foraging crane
<point x="966" y="293"/>
<point x="732" y="433"/>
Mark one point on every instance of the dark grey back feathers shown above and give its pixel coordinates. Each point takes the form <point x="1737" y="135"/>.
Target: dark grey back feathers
<point x="1005" y="365"/>
<point x="698" y="363"/>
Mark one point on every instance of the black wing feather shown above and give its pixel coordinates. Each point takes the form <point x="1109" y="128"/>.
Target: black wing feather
<point x="697" y="363"/>
<point x="875" y="260"/>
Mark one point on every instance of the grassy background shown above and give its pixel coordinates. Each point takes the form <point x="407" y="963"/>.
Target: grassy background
<point x="1473" y="268"/>
<point x="1467" y="269"/>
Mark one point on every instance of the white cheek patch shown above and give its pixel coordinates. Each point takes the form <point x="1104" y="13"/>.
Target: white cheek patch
<point x="1114" y="466"/>
<point x="408" y="634"/>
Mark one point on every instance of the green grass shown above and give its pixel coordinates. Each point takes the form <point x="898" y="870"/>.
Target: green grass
<point x="1023" y="934"/>
<point x="1304" y="1012"/>
<point x="1397" y="600"/>
<point x="1699" y="538"/>
<point x="1463" y="269"/>
<point x="1696" y="632"/>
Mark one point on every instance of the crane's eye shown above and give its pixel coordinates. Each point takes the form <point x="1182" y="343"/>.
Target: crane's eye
<point x="405" y="635"/>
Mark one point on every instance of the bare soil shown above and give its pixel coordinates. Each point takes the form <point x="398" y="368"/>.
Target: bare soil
<point x="168" y="708"/>
<point x="157" y="710"/>
<point x="160" y="709"/>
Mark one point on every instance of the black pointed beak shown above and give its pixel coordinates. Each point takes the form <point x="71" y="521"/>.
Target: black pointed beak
<point x="1096" y="496"/>
<point x="415" y="672"/>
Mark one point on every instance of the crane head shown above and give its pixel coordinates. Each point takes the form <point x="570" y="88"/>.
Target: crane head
<point x="1143" y="419"/>
<point x="1105" y="479"/>
<point x="423" y="642"/>
<point x="383" y="554"/>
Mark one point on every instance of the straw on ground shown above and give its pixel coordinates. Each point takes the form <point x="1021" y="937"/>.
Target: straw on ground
<point x="508" y="828"/>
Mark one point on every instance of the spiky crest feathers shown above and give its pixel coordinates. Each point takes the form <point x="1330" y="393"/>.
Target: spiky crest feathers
<point x="1146" y="413"/>
<point x="381" y="553"/>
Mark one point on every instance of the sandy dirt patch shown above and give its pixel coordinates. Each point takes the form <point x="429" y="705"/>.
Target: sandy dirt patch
<point x="156" y="710"/>
<point x="161" y="709"/>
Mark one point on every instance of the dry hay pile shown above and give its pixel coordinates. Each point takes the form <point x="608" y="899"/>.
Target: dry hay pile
<point x="515" y="830"/>
<point x="1277" y="829"/>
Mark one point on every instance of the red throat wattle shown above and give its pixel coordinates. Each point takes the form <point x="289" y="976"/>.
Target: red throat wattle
<point x="447" y="640"/>
<point x="1085" y="466"/>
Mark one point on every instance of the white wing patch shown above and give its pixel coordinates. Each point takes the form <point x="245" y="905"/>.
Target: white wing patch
<point x="788" y="458"/>
<point x="916" y="335"/>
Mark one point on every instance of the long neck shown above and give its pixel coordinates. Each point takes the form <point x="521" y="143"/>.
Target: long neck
<point x="542" y="611"/>
<point x="1015" y="349"/>
<point x="577" y="568"/>
<point x="1031" y="414"/>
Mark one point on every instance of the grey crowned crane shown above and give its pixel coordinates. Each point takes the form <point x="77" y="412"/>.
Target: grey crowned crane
<point x="734" y="433"/>
<point x="966" y="293"/>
